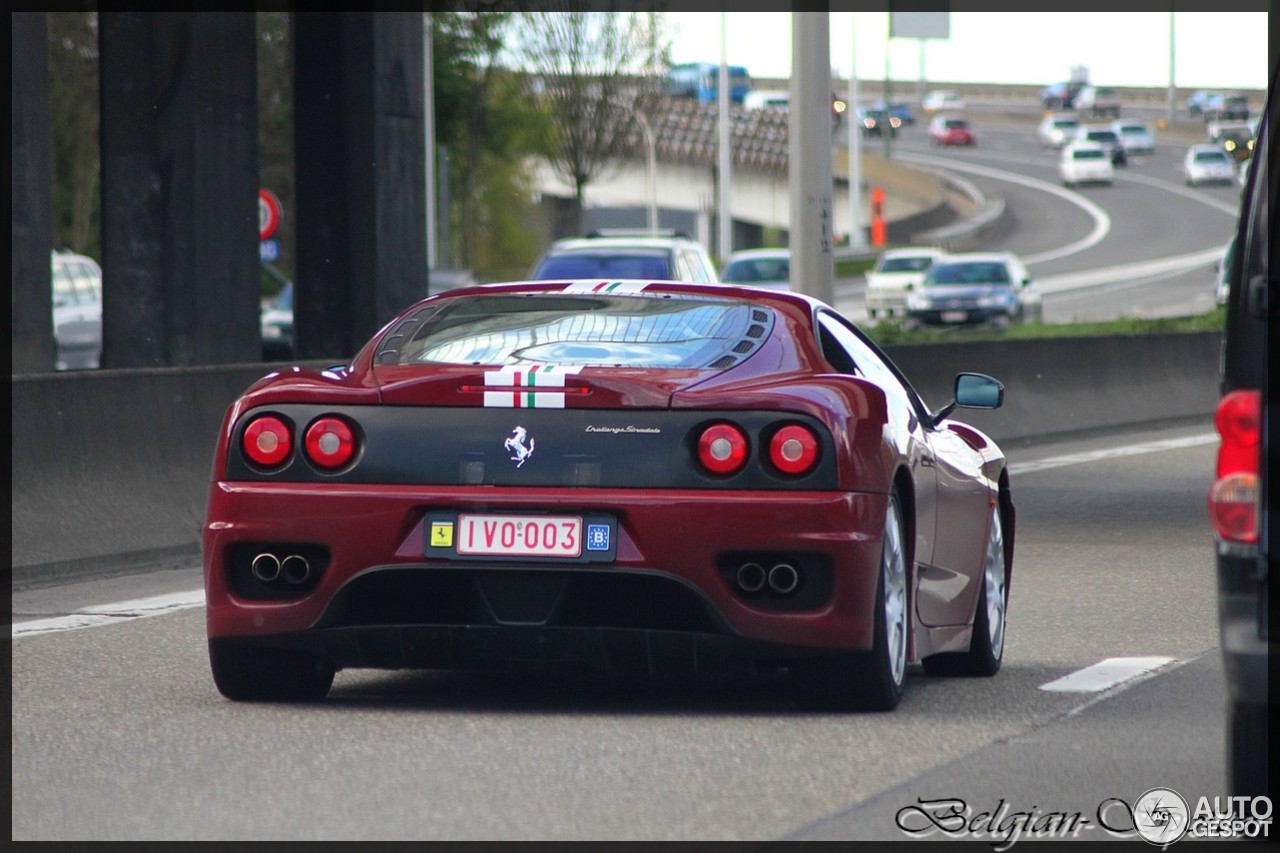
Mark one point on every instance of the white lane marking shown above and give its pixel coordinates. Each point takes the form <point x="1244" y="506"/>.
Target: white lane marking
<point x="1105" y="674"/>
<point x="1127" y="272"/>
<point x="112" y="614"/>
<point x="1112" y="453"/>
<point x="1101" y="221"/>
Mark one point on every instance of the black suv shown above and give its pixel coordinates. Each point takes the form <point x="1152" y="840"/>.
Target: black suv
<point x="1242" y="493"/>
<point x="626" y="254"/>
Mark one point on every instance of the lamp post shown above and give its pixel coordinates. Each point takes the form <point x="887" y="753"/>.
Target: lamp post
<point x="653" y="168"/>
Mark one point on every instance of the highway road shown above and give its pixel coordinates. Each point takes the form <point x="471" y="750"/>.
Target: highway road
<point x="119" y="733"/>
<point x="1144" y="247"/>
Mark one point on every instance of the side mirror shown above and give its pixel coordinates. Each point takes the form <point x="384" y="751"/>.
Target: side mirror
<point x="973" y="391"/>
<point x="978" y="391"/>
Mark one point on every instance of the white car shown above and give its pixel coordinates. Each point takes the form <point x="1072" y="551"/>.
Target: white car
<point x="77" y="311"/>
<point x="1207" y="164"/>
<point x="976" y="287"/>
<point x="941" y="100"/>
<point x="1222" y="274"/>
<point x="1056" y="130"/>
<point x="765" y="268"/>
<point x="895" y="274"/>
<point x="1135" y="136"/>
<point x="1084" y="162"/>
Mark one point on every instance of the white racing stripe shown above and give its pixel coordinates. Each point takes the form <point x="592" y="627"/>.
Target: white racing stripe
<point x="111" y="614"/>
<point x="1112" y="453"/>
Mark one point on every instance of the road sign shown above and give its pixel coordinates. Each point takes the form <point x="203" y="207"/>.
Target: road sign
<point x="269" y="250"/>
<point x="269" y="212"/>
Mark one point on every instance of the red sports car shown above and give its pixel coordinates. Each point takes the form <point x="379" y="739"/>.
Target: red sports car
<point x="951" y="130"/>
<point x="649" y="476"/>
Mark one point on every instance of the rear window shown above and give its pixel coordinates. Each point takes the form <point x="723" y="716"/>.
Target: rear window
<point x="1086" y="154"/>
<point x="978" y="272"/>
<point x="654" y="266"/>
<point x="956" y="124"/>
<point x="757" y="269"/>
<point x="603" y="331"/>
<point x="1066" y="124"/>
<point x="1210" y="157"/>
<point x="918" y="264"/>
<point x="1101" y="136"/>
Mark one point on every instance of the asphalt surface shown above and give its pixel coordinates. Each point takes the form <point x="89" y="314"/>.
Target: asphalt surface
<point x="119" y="733"/>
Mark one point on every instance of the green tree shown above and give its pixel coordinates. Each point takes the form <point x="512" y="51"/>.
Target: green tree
<point x="595" y="71"/>
<point x="74" y="118"/>
<point x="486" y="119"/>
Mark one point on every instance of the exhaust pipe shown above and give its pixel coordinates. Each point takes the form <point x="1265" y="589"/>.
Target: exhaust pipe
<point x="751" y="577"/>
<point x="295" y="569"/>
<point x="266" y="567"/>
<point x="783" y="578"/>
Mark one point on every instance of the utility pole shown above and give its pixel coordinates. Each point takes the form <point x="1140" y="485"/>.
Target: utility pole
<point x="724" y="247"/>
<point x="857" y="240"/>
<point x="809" y="128"/>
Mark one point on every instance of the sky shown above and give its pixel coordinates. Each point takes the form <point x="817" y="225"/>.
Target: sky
<point x="1211" y="49"/>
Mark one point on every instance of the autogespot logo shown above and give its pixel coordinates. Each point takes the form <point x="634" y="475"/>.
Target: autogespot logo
<point x="1161" y="816"/>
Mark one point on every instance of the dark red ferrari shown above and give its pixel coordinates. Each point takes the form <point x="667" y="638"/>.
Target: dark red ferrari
<point x="639" y="476"/>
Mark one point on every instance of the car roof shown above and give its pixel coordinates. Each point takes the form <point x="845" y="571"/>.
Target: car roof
<point x="913" y="252"/>
<point x="584" y="243"/>
<point x="760" y="253"/>
<point x="974" y="257"/>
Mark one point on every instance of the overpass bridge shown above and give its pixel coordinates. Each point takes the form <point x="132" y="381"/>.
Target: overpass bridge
<point x="686" y="135"/>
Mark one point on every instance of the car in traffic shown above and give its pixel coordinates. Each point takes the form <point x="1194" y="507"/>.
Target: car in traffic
<point x="1107" y="138"/>
<point x="1235" y="138"/>
<point x="766" y="268"/>
<point x="1057" y="129"/>
<point x="626" y="253"/>
<point x="1085" y="162"/>
<point x="1061" y="96"/>
<point x="276" y="322"/>
<point x="1205" y="163"/>
<point x="1241" y="498"/>
<point x="1135" y="136"/>
<point x="647" y="477"/>
<point x="77" y="311"/>
<point x="1201" y="100"/>
<point x="1098" y="101"/>
<point x="942" y="100"/>
<point x="972" y="288"/>
<point x="872" y="121"/>
<point x="894" y="275"/>
<point x="951" y="130"/>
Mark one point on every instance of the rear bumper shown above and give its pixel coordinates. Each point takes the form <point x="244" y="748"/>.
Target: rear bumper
<point x="1243" y="625"/>
<point x="674" y="572"/>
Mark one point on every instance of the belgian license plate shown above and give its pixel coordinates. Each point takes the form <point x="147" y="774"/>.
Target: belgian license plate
<point x="519" y="535"/>
<point x="954" y="316"/>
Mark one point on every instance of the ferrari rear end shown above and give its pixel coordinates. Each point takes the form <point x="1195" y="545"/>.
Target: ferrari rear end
<point x="652" y="482"/>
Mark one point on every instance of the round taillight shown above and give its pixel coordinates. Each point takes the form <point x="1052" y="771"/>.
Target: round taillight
<point x="267" y="441"/>
<point x="793" y="449"/>
<point x="722" y="449"/>
<point x="330" y="443"/>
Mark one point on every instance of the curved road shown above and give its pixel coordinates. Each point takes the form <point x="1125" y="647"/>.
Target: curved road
<point x="1144" y="247"/>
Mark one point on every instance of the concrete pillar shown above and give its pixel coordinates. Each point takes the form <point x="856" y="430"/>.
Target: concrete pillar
<point x="31" y="204"/>
<point x="179" y="144"/>
<point x="359" y="154"/>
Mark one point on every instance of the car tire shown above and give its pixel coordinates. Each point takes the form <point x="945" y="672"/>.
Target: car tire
<point x="986" y="649"/>
<point x="1246" y="749"/>
<point x="871" y="680"/>
<point x="247" y="673"/>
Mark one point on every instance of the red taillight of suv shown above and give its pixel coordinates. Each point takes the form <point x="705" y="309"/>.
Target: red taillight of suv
<point x="1233" y="497"/>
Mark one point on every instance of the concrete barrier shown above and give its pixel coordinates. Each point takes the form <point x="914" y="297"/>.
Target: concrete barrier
<point x="111" y="468"/>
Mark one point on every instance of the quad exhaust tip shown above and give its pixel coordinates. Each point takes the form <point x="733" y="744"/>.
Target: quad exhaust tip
<point x="782" y="579"/>
<point x="751" y="577"/>
<point x="268" y="568"/>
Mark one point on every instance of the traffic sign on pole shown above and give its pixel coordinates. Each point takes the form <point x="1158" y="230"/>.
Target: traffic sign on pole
<point x="269" y="212"/>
